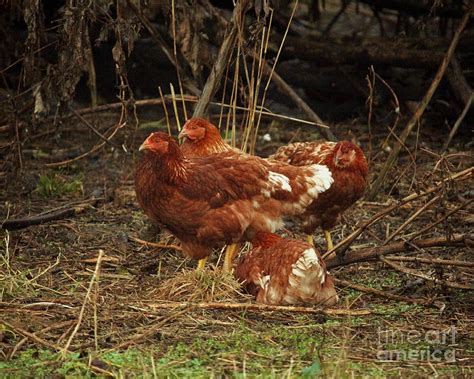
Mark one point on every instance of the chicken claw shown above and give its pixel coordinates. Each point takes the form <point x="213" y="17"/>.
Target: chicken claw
<point x="230" y="252"/>
<point x="327" y="235"/>
<point x="201" y="264"/>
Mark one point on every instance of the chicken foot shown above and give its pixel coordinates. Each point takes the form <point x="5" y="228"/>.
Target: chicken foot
<point x="327" y="236"/>
<point x="201" y="264"/>
<point x="230" y="252"/>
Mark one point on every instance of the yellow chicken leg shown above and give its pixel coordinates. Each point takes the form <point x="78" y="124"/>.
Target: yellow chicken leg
<point x="230" y="252"/>
<point x="327" y="235"/>
<point x="310" y="239"/>
<point x="201" y="264"/>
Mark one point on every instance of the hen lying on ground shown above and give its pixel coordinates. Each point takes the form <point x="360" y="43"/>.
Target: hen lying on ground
<point x="207" y="202"/>
<point x="349" y="168"/>
<point x="283" y="271"/>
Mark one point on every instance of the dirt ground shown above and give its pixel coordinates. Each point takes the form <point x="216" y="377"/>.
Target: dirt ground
<point x="125" y="317"/>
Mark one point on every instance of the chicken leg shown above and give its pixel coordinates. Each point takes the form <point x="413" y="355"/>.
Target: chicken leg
<point x="230" y="252"/>
<point x="201" y="264"/>
<point x="327" y="235"/>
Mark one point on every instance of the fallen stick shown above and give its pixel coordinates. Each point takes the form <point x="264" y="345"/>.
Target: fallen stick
<point x="440" y="220"/>
<point x="94" y="130"/>
<point x="47" y="329"/>
<point x="381" y="293"/>
<point x="93" y="150"/>
<point x="392" y="158"/>
<point x="411" y="218"/>
<point x="262" y="308"/>
<point x="155" y="244"/>
<point x="373" y="253"/>
<point x="21" y="223"/>
<point x="31" y="336"/>
<point x="342" y="246"/>
<point x="418" y="274"/>
<point x="433" y="261"/>
<point x="95" y="276"/>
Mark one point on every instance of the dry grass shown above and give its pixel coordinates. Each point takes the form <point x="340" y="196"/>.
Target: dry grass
<point x="200" y="286"/>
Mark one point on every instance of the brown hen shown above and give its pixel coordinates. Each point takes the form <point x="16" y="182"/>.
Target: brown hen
<point x="283" y="271"/>
<point x="349" y="168"/>
<point x="221" y="199"/>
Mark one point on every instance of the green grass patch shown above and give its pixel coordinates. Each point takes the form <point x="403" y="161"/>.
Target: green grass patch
<point x="55" y="185"/>
<point x="385" y="280"/>
<point x="275" y="352"/>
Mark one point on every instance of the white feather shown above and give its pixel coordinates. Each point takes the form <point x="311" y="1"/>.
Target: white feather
<point x="280" y="181"/>
<point x="263" y="281"/>
<point x="321" y="179"/>
<point x="274" y="224"/>
<point x="306" y="271"/>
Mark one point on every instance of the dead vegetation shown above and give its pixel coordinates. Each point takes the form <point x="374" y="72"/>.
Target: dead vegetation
<point x="83" y="280"/>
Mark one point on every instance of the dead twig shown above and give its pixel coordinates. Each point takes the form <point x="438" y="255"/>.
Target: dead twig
<point x="433" y="261"/>
<point x="440" y="220"/>
<point x="333" y="21"/>
<point x="457" y="81"/>
<point x="114" y="106"/>
<point x="260" y="110"/>
<point x="21" y="223"/>
<point x="45" y="330"/>
<point x="385" y="294"/>
<point x="342" y="246"/>
<point x="94" y="130"/>
<point x="411" y="218"/>
<point x="95" y="276"/>
<point x="376" y="186"/>
<point x="155" y="244"/>
<point x="418" y="274"/>
<point x="91" y="151"/>
<point x="162" y="44"/>
<point x="458" y="122"/>
<point x="262" y="308"/>
<point x="300" y="103"/>
<point x="372" y="253"/>
<point x="31" y="336"/>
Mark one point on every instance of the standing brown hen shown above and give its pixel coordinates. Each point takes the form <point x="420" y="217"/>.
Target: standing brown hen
<point x="284" y="271"/>
<point x="349" y="168"/>
<point x="208" y="202"/>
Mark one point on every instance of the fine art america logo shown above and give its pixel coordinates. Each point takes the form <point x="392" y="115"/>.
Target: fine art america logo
<point x="414" y="345"/>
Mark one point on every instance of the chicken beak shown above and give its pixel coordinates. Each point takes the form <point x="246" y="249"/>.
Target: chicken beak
<point x="183" y="134"/>
<point x="144" y="146"/>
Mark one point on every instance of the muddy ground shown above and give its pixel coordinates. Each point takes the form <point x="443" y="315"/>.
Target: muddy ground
<point x="124" y="316"/>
